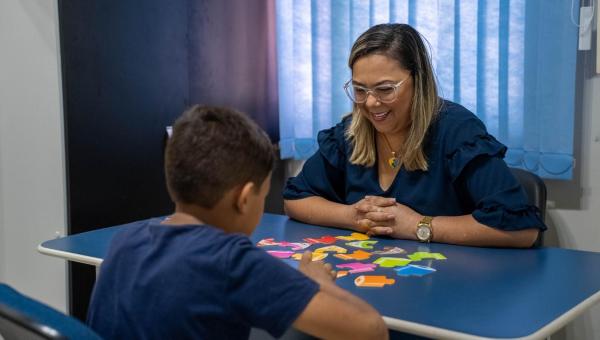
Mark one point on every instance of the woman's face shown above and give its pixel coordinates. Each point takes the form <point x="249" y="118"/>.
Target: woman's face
<point x="377" y="69"/>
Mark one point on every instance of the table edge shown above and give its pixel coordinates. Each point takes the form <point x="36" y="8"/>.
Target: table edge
<point x="542" y="333"/>
<point x="65" y="255"/>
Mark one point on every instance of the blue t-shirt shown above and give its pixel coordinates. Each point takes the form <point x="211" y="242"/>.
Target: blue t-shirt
<point x="466" y="175"/>
<point x="193" y="282"/>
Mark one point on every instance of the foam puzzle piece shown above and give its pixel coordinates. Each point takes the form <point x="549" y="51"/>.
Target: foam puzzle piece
<point x="362" y="244"/>
<point x="414" y="270"/>
<point x="315" y="256"/>
<point x="373" y="281"/>
<point x="389" y="262"/>
<point x="356" y="255"/>
<point x="334" y="249"/>
<point x="267" y="242"/>
<point x="324" y="239"/>
<point x="390" y="251"/>
<point x="341" y="273"/>
<point x="295" y="245"/>
<point x="358" y="267"/>
<point x="282" y="254"/>
<point x="354" y="237"/>
<point x="422" y="255"/>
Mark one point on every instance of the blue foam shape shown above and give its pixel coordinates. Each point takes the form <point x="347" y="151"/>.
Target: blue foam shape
<point x="413" y="270"/>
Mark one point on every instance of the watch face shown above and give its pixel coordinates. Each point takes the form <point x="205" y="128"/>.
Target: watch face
<point x="423" y="233"/>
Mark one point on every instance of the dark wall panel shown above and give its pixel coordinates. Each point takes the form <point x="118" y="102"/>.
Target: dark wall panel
<point x="125" y="77"/>
<point x="129" y="69"/>
<point x="233" y="58"/>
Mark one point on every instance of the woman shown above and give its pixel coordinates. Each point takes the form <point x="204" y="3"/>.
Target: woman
<point x="407" y="164"/>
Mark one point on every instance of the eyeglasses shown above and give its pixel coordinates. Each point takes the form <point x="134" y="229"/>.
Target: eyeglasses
<point x="385" y="93"/>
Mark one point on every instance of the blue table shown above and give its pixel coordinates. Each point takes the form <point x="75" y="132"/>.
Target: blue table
<point x="476" y="293"/>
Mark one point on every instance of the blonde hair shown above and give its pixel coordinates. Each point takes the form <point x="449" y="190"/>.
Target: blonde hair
<point x="404" y="44"/>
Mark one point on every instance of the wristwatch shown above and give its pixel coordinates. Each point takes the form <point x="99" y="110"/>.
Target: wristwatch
<point x="424" y="229"/>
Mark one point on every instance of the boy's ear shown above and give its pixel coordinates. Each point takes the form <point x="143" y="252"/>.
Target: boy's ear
<point x="241" y="203"/>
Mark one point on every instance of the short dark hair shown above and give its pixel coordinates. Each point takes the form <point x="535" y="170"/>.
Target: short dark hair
<point x="212" y="150"/>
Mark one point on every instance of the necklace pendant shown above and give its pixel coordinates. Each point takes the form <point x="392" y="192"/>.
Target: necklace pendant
<point x="393" y="162"/>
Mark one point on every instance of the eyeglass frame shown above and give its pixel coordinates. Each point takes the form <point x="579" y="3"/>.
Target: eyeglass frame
<point x="372" y="91"/>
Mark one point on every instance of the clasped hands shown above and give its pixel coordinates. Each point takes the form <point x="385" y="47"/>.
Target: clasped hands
<point x="376" y="215"/>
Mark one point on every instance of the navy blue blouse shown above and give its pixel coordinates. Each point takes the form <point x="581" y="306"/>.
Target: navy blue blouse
<point x="466" y="175"/>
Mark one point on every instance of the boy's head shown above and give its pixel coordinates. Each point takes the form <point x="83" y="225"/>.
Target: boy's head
<point x="215" y="153"/>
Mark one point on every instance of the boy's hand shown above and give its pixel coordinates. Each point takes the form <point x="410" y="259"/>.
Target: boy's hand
<point x="316" y="270"/>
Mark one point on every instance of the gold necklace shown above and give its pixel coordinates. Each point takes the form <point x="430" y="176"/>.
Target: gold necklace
<point x="393" y="161"/>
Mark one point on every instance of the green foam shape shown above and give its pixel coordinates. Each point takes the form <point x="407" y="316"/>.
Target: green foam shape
<point x="389" y="262"/>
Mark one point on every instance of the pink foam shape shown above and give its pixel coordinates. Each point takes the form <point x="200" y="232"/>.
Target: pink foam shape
<point x="282" y="254"/>
<point x="358" y="267"/>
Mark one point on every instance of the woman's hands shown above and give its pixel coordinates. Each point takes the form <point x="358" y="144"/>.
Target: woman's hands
<point x="368" y="212"/>
<point x="377" y="215"/>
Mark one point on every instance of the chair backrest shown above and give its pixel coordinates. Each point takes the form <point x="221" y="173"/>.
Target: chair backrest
<point x="14" y="325"/>
<point x="535" y="189"/>
<point x="22" y="317"/>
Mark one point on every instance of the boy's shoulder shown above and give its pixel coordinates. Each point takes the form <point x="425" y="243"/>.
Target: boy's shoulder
<point x="181" y="240"/>
<point x="157" y="228"/>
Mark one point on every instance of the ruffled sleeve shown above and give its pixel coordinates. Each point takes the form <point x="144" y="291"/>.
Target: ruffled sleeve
<point x="323" y="174"/>
<point x="499" y="200"/>
<point x="332" y="143"/>
<point x="476" y="168"/>
<point x="468" y="142"/>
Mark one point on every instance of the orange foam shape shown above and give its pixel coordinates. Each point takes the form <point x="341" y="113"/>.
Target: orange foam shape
<point x="357" y="255"/>
<point x="373" y="281"/>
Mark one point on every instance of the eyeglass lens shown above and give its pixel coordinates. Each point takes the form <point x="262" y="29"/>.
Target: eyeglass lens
<point x="383" y="93"/>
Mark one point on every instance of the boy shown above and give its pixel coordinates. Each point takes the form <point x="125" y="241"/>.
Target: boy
<point x="196" y="274"/>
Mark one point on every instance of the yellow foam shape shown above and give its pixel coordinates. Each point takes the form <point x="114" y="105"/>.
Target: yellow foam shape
<point x="334" y="249"/>
<point x="354" y="237"/>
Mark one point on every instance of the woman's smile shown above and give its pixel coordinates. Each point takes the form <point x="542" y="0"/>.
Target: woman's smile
<point x="380" y="116"/>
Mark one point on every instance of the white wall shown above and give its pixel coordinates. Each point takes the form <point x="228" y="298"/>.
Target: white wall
<point x="32" y="184"/>
<point x="575" y="221"/>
